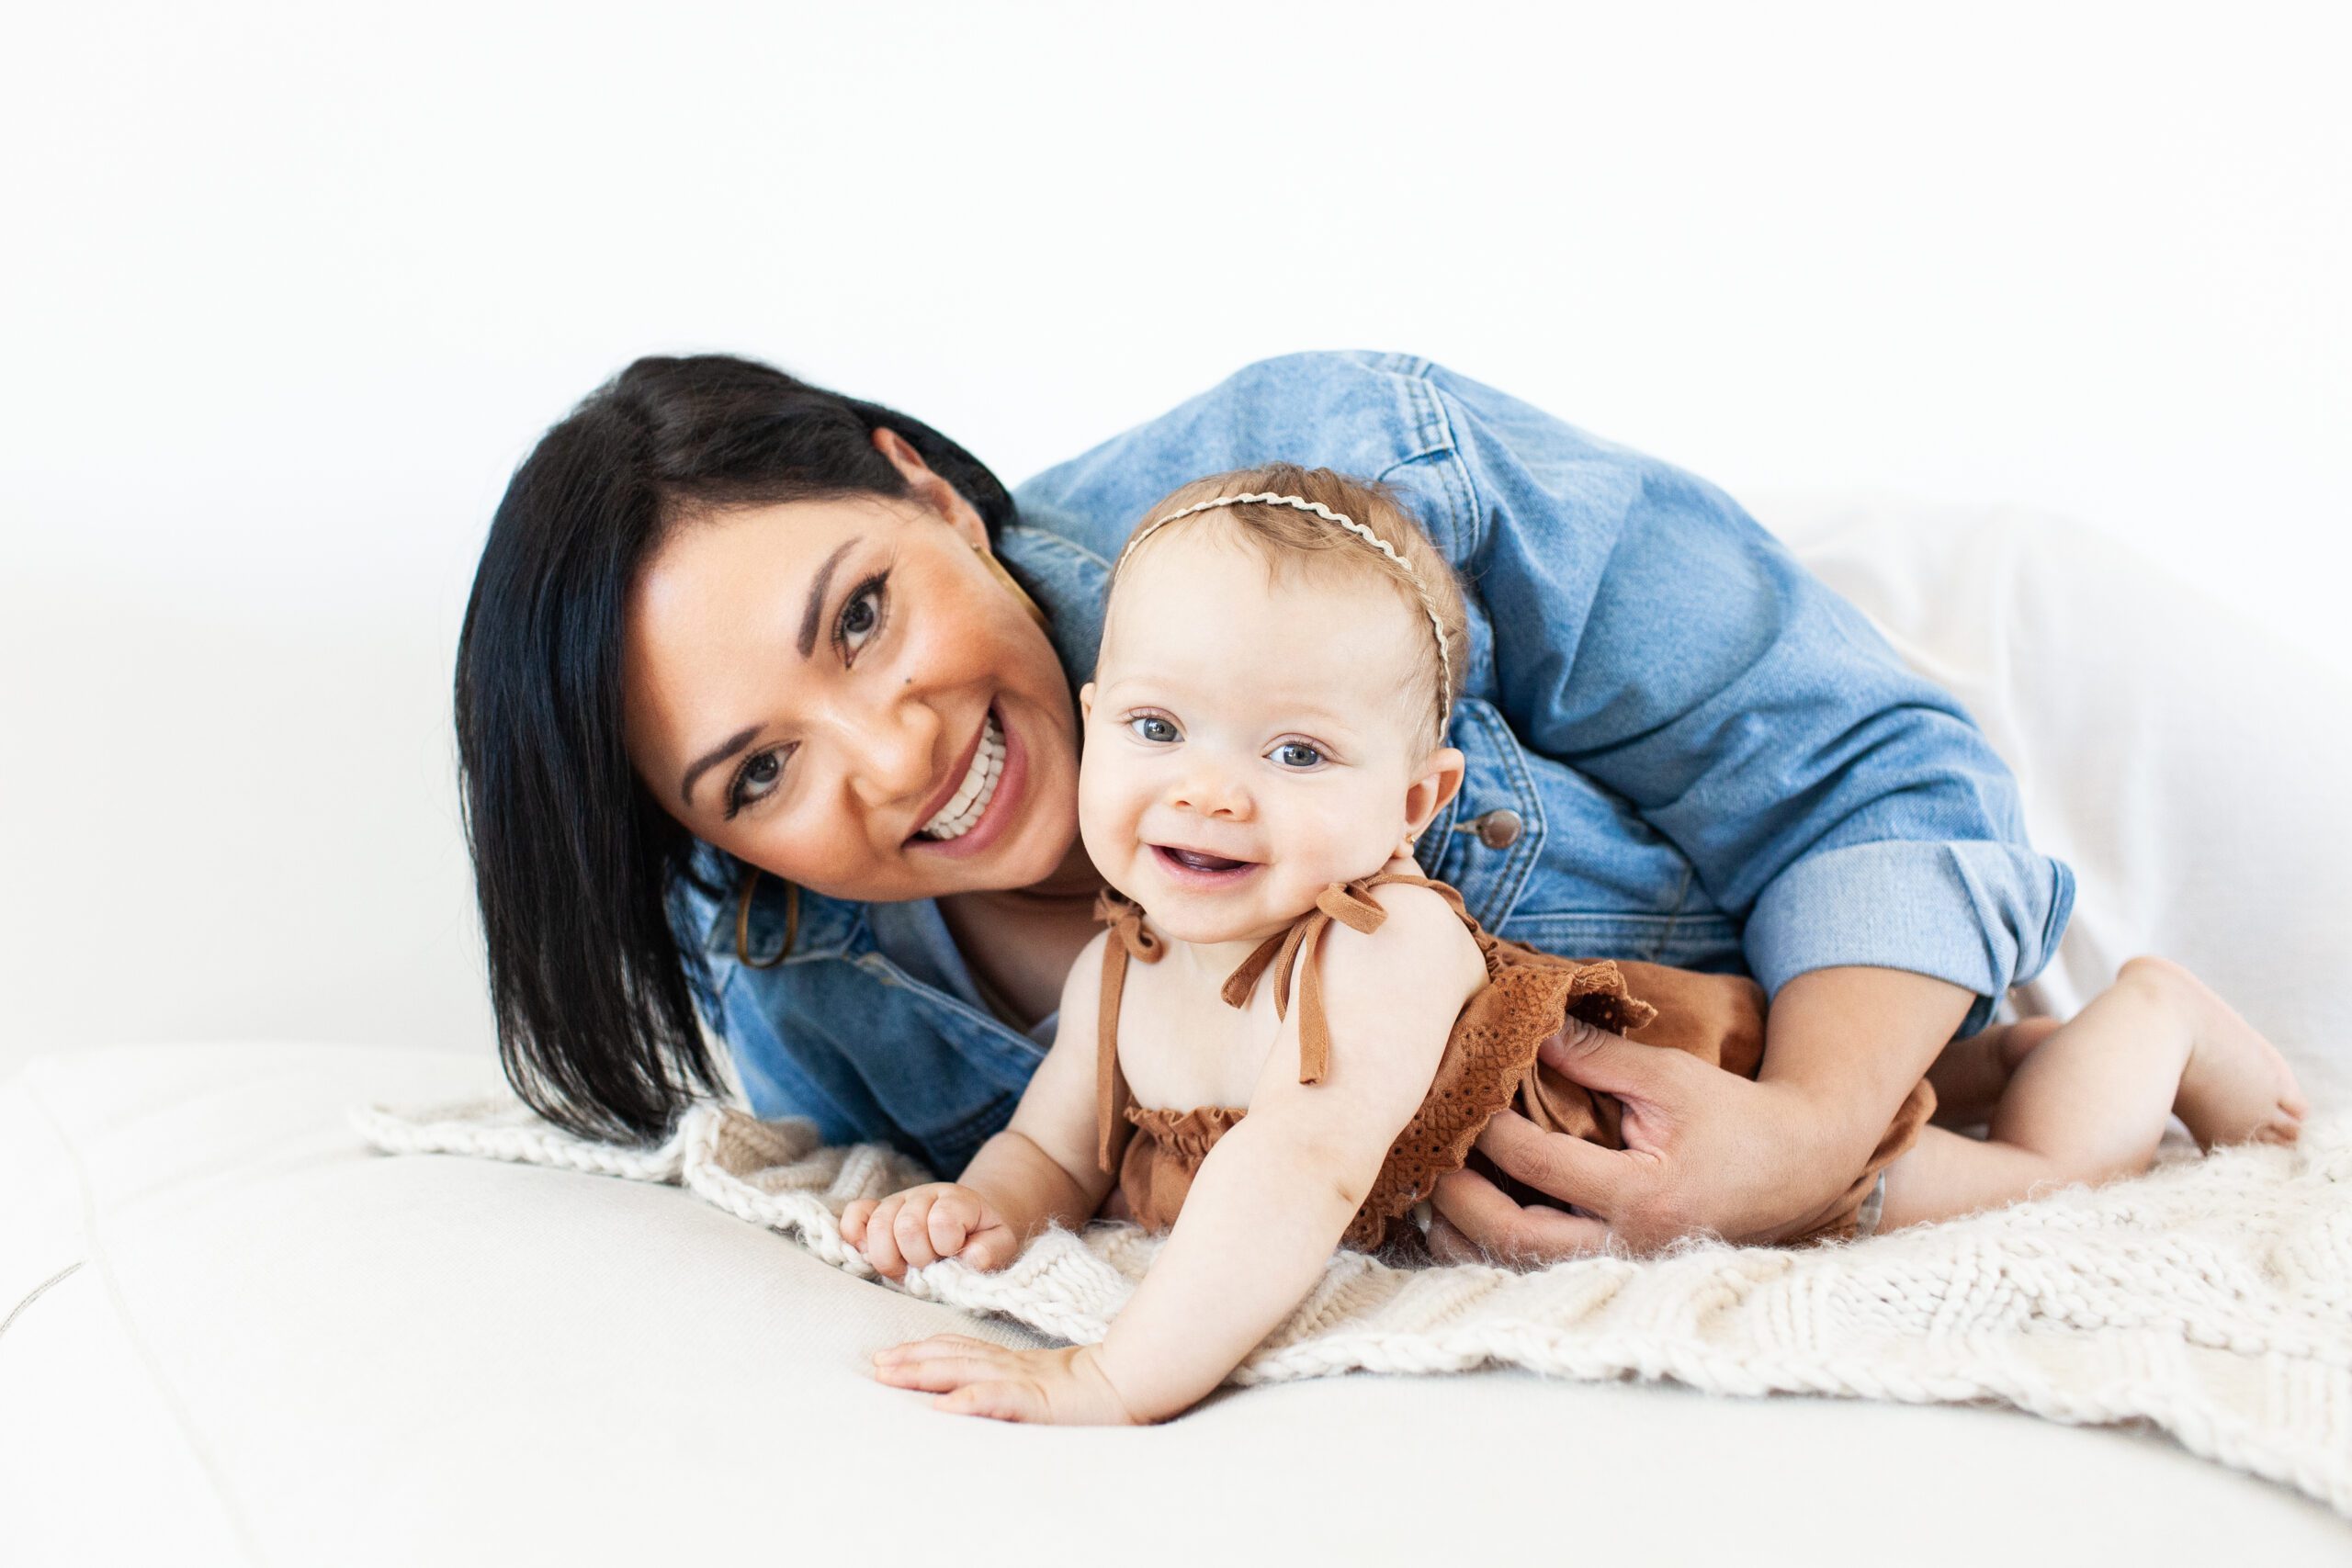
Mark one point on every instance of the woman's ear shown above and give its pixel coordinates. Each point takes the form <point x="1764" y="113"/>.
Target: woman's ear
<point x="930" y="491"/>
<point x="1438" y="780"/>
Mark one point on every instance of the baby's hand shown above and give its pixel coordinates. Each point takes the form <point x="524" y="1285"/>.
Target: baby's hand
<point x="925" y="1223"/>
<point x="972" y="1377"/>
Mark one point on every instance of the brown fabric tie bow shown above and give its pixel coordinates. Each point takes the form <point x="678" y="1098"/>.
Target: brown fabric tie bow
<point x="1344" y="902"/>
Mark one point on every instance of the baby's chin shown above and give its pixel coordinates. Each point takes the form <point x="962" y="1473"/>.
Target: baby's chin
<point x="1187" y="925"/>
<point x="1208" y="918"/>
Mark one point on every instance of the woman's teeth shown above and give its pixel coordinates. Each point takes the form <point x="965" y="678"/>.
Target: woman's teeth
<point x="971" y="798"/>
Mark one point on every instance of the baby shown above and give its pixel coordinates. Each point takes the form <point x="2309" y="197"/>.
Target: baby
<point x="1263" y="742"/>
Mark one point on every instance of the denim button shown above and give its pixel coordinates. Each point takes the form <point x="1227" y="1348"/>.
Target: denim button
<point x="1499" y="829"/>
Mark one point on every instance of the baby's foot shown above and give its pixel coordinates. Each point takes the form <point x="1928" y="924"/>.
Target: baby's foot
<point x="2237" y="1086"/>
<point x="1970" y="1075"/>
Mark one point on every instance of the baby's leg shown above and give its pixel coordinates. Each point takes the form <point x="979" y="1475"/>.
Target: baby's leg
<point x="2088" y="1104"/>
<point x="1970" y="1074"/>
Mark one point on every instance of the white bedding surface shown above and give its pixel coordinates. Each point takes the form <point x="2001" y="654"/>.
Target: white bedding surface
<point x="294" y="1350"/>
<point x="2206" y="1298"/>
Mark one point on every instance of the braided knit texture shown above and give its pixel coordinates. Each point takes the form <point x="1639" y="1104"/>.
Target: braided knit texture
<point x="2211" y="1297"/>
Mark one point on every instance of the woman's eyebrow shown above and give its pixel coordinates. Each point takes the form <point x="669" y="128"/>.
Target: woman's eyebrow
<point x="816" y="606"/>
<point x="711" y="759"/>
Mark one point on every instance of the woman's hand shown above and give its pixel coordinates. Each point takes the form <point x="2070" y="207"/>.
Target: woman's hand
<point x="923" y="1225"/>
<point x="972" y="1377"/>
<point x="1705" y="1150"/>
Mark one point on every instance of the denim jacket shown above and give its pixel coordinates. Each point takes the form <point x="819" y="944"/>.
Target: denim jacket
<point x="1681" y="748"/>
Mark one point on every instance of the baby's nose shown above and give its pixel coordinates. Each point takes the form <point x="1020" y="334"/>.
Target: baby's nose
<point x="1211" y="792"/>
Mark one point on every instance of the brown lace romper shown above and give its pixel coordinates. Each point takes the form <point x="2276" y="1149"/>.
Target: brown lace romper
<point x="1490" y="1063"/>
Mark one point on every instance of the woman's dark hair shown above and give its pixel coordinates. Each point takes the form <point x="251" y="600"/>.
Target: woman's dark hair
<point x="574" y="862"/>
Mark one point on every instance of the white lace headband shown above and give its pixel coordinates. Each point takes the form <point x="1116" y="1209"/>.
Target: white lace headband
<point x="1268" y="498"/>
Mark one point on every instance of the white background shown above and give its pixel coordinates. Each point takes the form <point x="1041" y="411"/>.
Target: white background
<point x="288" y="291"/>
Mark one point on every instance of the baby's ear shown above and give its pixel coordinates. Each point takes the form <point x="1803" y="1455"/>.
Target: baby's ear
<point x="1086" y="703"/>
<point x="1436" y="781"/>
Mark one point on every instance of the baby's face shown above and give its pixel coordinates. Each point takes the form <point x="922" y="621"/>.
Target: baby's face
<point x="1245" y="741"/>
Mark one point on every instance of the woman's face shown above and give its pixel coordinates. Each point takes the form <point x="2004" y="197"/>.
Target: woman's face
<point x="841" y="693"/>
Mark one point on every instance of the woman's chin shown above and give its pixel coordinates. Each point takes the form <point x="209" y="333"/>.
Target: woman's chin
<point x="1029" y="854"/>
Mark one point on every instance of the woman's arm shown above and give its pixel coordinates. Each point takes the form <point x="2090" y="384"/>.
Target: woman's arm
<point x="1640" y="628"/>
<point x="1706" y="1149"/>
<point x="1651" y="636"/>
<point x="1850" y="814"/>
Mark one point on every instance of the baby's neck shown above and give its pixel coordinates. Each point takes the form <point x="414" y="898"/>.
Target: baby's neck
<point x="1210" y="962"/>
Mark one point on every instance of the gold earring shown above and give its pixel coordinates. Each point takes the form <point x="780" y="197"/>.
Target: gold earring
<point x="995" y="569"/>
<point x="743" y="922"/>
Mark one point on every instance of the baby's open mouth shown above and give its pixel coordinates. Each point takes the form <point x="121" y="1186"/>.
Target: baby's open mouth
<point x="1199" y="860"/>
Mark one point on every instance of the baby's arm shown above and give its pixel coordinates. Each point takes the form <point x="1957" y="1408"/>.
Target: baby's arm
<point x="1039" y="1171"/>
<point x="1270" y="1203"/>
<point x="1272" y="1199"/>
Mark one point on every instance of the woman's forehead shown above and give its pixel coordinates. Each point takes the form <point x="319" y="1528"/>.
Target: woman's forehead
<point x="726" y="563"/>
<point x="727" y="594"/>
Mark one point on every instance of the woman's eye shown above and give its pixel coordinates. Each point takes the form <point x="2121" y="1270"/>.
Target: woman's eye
<point x="861" y="616"/>
<point x="1151" y="726"/>
<point x="1297" y="754"/>
<point x="756" y="780"/>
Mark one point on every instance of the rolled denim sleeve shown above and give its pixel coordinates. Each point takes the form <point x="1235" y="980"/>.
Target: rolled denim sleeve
<point x="1650" y="635"/>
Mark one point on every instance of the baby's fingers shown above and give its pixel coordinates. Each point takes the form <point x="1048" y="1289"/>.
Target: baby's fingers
<point x="953" y="1219"/>
<point x="911" y="1229"/>
<point x="881" y="1246"/>
<point x="971" y="1377"/>
<point x="942" y="1363"/>
<point x="992" y="1250"/>
<point x="996" y="1401"/>
<point x="854" y="1220"/>
<point x="938" y="1345"/>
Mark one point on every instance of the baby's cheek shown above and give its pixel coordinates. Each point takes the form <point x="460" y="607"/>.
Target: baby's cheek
<point x="1106" y="819"/>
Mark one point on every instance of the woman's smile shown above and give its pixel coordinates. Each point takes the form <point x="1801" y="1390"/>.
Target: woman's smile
<point x="966" y="792"/>
<point x="986" y="797"/>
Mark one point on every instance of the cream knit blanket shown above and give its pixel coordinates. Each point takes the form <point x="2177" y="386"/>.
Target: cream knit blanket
<point x="2212" y="1297"/>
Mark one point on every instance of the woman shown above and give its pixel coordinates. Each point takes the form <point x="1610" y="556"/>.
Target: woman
<point x="765" y="706"/>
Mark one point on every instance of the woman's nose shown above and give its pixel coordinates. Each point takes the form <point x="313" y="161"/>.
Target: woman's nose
<point x="896" y="754"/>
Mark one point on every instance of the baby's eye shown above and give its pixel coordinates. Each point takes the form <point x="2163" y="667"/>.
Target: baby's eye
<point x="1296" y="754"/>
<point x="1153" y="728"/>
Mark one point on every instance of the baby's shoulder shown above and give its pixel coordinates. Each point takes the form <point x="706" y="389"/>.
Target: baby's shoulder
<point x="1083" y="982"/>
<point x="1422" y="946"/>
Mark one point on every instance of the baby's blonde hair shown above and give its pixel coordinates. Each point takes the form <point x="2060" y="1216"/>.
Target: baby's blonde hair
<point x="1286" y="535"/>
